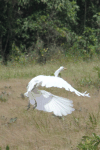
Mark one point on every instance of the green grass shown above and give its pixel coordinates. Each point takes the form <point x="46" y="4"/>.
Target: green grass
<point x="82" y="73"/>
<point x="3" y="98"/>
<point x="90" y="142"/>
<point x="34" y="129"/>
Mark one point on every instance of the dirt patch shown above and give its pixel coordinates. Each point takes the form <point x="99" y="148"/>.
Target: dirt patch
<point x="38" y="130"/>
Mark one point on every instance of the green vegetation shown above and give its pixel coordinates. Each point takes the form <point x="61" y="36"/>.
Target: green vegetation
<point x="33" y="125"/>
<point x="40" y="29"/>
<point x="2" y="98"/>
<point x="7" y="148"/>
<point x="90" y="143"/>
<point x="37" y="37"/>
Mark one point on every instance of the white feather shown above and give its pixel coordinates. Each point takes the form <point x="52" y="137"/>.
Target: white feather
<point x="59" y="106"/>
<point x="52" y="81"/>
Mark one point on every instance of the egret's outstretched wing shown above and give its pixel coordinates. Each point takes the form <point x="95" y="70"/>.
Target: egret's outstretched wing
<point x="51" y="103"/>
<point x="51" y="81"/>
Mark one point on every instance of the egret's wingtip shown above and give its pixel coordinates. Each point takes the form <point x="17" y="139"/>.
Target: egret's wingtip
<point x="26" y="94"/>
<point x="88" y="95"/>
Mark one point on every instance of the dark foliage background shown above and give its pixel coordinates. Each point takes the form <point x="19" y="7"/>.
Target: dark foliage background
<point x="39" y="29"/>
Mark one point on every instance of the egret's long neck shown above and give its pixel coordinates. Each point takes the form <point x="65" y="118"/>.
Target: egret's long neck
<point x="57" y="72"/>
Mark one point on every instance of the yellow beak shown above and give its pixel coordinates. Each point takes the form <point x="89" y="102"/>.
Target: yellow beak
<point x="65" y="68"/>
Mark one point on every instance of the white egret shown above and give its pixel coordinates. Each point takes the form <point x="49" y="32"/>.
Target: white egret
<point x="46" y="101"/>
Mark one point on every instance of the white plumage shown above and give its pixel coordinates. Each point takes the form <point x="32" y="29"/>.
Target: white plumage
<point x="47" y="101"/>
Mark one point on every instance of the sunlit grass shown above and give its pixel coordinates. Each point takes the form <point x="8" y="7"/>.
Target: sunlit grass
<point x="39" y="130"/>
<point x="81" y="72"/>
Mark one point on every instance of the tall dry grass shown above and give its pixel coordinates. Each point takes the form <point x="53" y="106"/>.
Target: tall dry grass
<point x="39" y="130"/>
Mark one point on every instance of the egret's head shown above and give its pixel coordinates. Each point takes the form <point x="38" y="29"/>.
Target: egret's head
<point x="58" y="71"/>
<point x="62" y="68"/>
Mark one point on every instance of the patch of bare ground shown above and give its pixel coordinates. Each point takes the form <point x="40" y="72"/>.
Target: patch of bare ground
<point x="39" y="130"/>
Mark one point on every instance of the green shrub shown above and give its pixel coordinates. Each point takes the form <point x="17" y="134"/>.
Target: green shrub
<point x="90" y="143"/>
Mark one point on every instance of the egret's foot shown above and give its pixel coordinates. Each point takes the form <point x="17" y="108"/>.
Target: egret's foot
<point x="28" y="106"/>
<point x="35" y="105"/>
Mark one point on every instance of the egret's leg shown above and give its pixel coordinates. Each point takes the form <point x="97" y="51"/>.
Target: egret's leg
<point x="35" y="105"/>
<point x="28" y="105"/>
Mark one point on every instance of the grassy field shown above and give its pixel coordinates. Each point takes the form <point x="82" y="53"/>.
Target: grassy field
<point x="36" y="130"/>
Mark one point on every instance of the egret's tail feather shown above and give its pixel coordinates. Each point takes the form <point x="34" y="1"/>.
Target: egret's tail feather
<point x="59" y="106"/>
<point x="51" y="103"/>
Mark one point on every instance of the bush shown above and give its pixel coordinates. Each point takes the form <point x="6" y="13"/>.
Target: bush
<point x="90" y="143"/>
